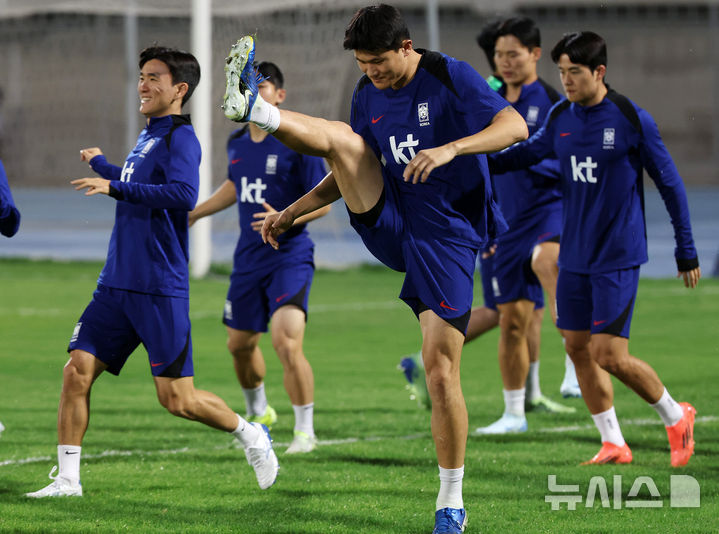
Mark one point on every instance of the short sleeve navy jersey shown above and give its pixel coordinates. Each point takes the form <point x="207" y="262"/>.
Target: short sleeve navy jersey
<point x="527" y="194"/>
<point x="269" y="172"/>
<point x="602" y="150"/>
<point x="446" y="100"/>
<point x="155" y="189"/>
<point x="9" y="214"/>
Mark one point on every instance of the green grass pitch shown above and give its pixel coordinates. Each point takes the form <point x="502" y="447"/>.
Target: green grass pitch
<point x="374" y="471"/>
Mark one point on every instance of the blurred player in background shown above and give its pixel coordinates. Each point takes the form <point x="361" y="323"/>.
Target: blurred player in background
<point x="412" y="173"/>
<point x="525" y="259"/>
<point x="142" y="294"/>
<point x="603" y="141"/>
<point x="266" y="284"/>
<point x="9" y="217"/>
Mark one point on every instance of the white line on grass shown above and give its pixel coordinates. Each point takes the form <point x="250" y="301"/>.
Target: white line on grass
<point x="411" y="437"/>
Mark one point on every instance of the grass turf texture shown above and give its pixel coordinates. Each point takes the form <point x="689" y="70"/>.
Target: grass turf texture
<point x="146" y="471"/>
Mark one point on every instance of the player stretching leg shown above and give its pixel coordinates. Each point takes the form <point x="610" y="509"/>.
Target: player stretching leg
<point x="426" y="212"/>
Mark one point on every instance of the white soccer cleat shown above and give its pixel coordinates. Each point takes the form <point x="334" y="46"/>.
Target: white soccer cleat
<point x="60" y="487"/>
<point x="261" y="456"/>
<point x="507" y="424"/>
<point x="302" y="442"/>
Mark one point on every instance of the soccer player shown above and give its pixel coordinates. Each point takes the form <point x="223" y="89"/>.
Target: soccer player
<point x="412" y="173"/>
<point x="525" y="260"/>
<point x="603" y="141"/>
<point x="142" y="292"/>
<point x="9" y="214"/>
<point x="266" y="284"/>
<point x="9" y="217"/>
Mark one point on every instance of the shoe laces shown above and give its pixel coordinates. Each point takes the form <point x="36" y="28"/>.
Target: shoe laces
<point x="447" y="521"/>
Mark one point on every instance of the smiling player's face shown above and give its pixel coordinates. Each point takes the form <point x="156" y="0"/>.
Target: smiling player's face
<point x="158" y="95"/>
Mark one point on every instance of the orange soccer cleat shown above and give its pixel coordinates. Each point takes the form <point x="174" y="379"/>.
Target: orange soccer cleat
<point x="681" y="436"/>
<point x="611" y="454"/>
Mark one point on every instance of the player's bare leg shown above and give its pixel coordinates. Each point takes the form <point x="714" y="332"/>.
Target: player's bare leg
<point x="73" y="415"/>
<point x="288" y="329"/>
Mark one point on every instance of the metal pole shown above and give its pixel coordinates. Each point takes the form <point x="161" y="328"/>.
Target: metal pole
<point x="433" y="24"/>
<point x="132" y="102"/>
<point x="201" y="39"/>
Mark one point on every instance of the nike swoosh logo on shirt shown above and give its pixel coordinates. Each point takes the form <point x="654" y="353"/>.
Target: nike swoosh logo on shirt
<point x="565" y="134"/>
<point x="375" y="121"/>
<point x="236" y="160"/>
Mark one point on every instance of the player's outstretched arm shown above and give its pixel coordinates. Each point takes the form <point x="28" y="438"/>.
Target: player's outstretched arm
<point x="323" y="194"/>
<point x="94" y="186"/>
<point x="507" y="127"/>
<point x="691" y="278"/>
<point x="260" y="216"/>
<point x="224" y="197"/>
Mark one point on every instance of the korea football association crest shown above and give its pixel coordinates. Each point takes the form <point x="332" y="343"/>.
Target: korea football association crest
<point x="271" y="164"/>
<point x="148" y="146"/>
<point x="608" y="139"/>
<point x="532" y="115"/>
<point x="423" y="113"/>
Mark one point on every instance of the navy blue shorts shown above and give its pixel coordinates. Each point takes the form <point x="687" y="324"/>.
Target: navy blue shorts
<point x="116" y="321"/>
<point x="602" y="303"/>
<point x="439" y="274"/>
<point x="254" y="297"/>
<point x="485" y="272"/>
<point x="513" y="277"/>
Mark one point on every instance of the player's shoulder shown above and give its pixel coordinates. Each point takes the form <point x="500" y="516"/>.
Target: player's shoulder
<point x="452" y="73"/>
<point x="635" y="115"/>
<point x="181" y="133"/>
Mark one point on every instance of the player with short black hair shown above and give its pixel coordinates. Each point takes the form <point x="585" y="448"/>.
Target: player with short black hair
<point x="265" y="284"/>
<point x="603" y="141"/>
<point x="412" y="172"/>
<point x="142" y="293"/>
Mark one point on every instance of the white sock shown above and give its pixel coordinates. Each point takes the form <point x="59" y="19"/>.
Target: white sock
<point x="532" y="385"/>
<point x="668" y="409"/>
<point x="569" y="368"/>
<point x="265" y="115"/>
<point x="304" y="416"/>
<point x="514" y="401"/>
<point x="608" y="426"/>
<point x="450" y="488"/>
<point x="255" y="400"/>
<point x="245" y="432"/>
<point x="68" y="460"/>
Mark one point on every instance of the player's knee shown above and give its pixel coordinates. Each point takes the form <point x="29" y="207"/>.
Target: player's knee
<point x="76" y="379"/>
<point x="177" y="406"/>
<point x="514" y="324"/>
<point x="606" y="359"/>
<point x="240" y="349"/>
<point x="288" y="350"/>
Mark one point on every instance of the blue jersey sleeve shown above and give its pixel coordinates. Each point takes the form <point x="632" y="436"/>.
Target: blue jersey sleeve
<point x="660" y="166"/>
<point x="107" y="170"/>
<point x="9" y="214"/>
<point x="522" y="155"/>
<point x="477" y="101"/>
<point x="182" y="174"/>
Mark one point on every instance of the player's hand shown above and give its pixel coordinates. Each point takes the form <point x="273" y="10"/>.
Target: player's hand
<point x="489" y="252"/>
<point x="261" y="216"/>
<point x="86" y="154"/>
<point x="94" y="186"/>
<point x="426" y="161"/>
<point x="274" y="225"/>
<point x="691" y="278"/>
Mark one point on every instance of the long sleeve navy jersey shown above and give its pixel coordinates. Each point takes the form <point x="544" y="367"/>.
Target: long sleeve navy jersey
<point x="9" y="214"/>
<point x="602" y="150"/>
<point x="155" y="189"/>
